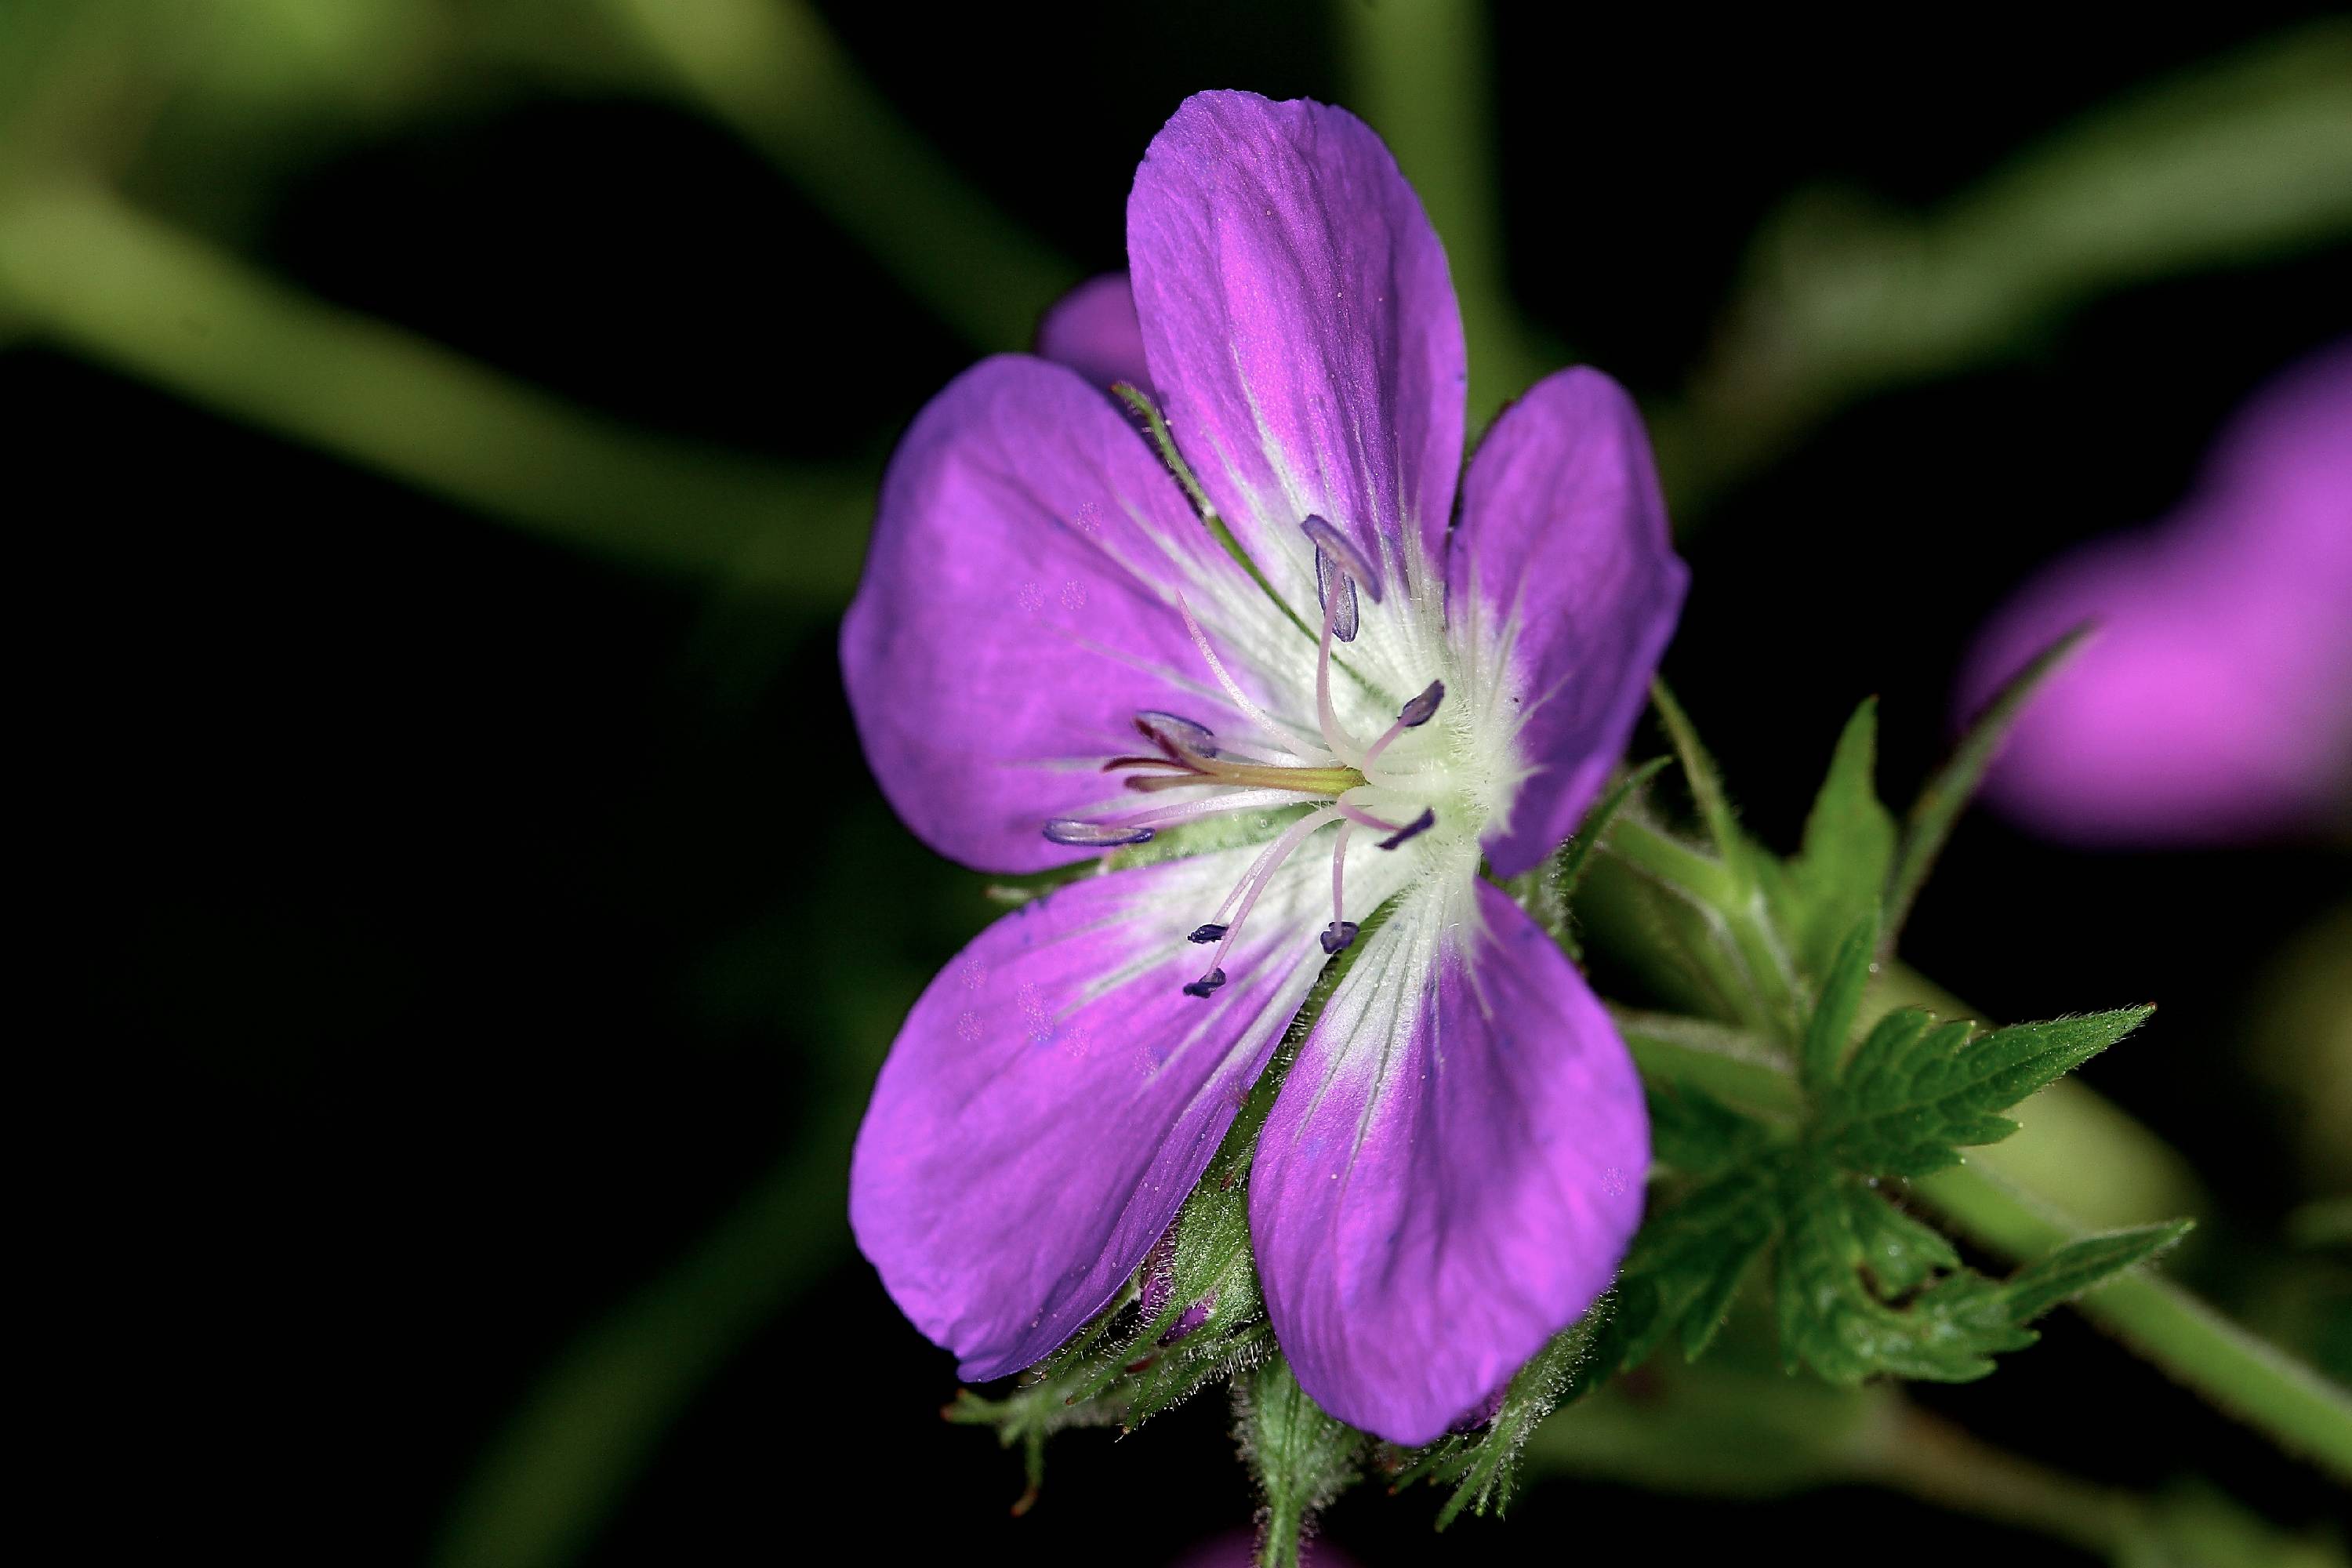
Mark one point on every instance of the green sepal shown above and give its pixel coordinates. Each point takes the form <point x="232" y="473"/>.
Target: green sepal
<point x="1838" y="876"/>
<point x="1300" y="1458"/>
<point x="1549" y="892"/>
<point x="1933" y="816"/>
<point x="1481" y="1464"/>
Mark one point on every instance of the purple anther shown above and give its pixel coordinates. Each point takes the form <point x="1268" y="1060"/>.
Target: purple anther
<point x="1207" y="933"/>
<point x="1413" y="829"/>
<point x="1206" y="984"/>
<point x="1328" y="540"/>
<point x="1423" y="708"/>
<point x="1081" y="834"/>
<point x="1164" y="729"/>
<point x="1337" y="936"/>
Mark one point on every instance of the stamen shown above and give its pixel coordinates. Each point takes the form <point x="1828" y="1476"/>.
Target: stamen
<point x="1214" y="805"/>
<point x="1335" y="735"/>
<point x="1253" y="882"/>
<point x="1337" y="937"/>
<point x="1081" y="834"/>
<point x="1411" y="716"/>
<point x="1206" y="934"/>
<point x="1339" y="869"/>
<point x="1233" y="693"/>
<point x="1330" y="540"/>
<point x="1413" y="829"/>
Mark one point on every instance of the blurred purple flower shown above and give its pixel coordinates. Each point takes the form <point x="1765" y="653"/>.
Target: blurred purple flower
<point x="2214" y="704"/>
<point x="1047" y="637"/>
<point x="1239" y="1550"/>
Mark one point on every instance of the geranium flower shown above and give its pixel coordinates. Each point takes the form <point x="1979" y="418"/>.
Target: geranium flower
<point x="2214" y="704"/>
<point x="1051" y="654"/>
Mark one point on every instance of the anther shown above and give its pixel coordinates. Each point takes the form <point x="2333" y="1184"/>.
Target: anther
<point x="1337" y="590"/>
<point x="1169" y="729"/>
<point x="1337" y="936"/>
<point x="1413" y="829"/>
<point x="1081" y="834"/>
<point x="1207" y="933"/>
<point x="1206" y="984"/>
<point x="1423" y="708"/>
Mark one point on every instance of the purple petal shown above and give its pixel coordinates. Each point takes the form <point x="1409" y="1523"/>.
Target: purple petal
<point x="1563" y="556"/>
<point x="1301" y="327"/>
<point x="2214" y="705"/>
<point x="1452" y="1173"/>
<point x="1093" y="330"/>
<point x="1054" y="1096"/>
<point x="1016" y="612"/>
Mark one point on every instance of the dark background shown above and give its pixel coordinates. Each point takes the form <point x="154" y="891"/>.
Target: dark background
<point x="484" y="919"/>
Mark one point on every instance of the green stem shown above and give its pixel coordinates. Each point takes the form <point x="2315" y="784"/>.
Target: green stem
<point x="2260" y="1385"/>
<point x="772" y="72"/>
<point x="566" y="1461"/>
<point x="1417" y="72"/>
<point x="83" y="269"/>
<point x="2229" y="163"/>
<point x="2249" y="1377"/>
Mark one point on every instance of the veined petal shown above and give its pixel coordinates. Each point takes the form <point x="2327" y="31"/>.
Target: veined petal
<point x="1054" y="1095"/>
<point x="1018" y="610"/>
<point x="1454" y="1168"/>
<point x="1563" y="574"/>
<point x="1301" y="329"/>
<point x="1093" y="330"/>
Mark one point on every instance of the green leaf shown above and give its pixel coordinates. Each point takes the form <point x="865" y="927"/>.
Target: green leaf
<point x="1300" y="1458"/>
<point x="1899" y="1253"/>
<point x="1826" y="1033"/>
<point x="1694" y="1134"/>
<point x="1840" y="873"/>
<point x="1939" y="806"/>
<point x="1687" y="1263"/>
<point x="2085" y="1265"/>
<point x="1912" y="1092"/>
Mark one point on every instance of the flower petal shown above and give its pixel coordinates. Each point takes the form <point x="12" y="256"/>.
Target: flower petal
<point x="1054" y="1095"/>
<point x="1301" y="327"/>
<point x="1563" y="571"/>
<point x="1093" y="330"/>
<point x="1018" y="610"/>
<point x="1452" y="1171"/>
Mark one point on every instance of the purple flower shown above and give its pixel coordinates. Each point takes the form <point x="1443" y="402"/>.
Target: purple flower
<point x="2214" y="704"/>
<point x="1051" y="653"/>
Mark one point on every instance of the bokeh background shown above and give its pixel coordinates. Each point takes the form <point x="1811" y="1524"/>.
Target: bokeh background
<point x="456" y="425"/>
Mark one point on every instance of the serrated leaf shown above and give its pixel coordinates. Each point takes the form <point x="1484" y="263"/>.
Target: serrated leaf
<point x="1912" y="1095"/>
<point x="1826" y="1032"/>
<point x="1839" y="873"/>
<point x="1829" y="1319"/>
<point x="1686" y="1264"/>
<point x="1938" y="807"/>
<point x="1300" y="1458"/>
